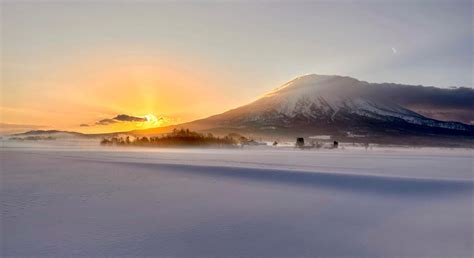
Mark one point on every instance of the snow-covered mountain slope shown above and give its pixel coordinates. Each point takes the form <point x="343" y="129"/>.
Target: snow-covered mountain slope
<point x="330" y="104"/>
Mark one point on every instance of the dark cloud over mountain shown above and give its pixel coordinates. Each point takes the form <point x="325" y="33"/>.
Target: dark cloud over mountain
<point x="127" y="118"/>
<point x="118" y="119"/>
<point x="452" y="104"/>
<point x="106" y="121"/>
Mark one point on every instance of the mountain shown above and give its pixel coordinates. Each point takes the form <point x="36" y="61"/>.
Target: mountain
<point x="342" y="107"/>
<point x="47" y="132"/>
<point x="330" y="105"/>
<point x="60" y="134"/>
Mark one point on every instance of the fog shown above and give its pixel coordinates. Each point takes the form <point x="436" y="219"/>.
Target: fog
<point x="63" y="198"/>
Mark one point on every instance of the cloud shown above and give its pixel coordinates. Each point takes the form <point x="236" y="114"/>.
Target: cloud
<point x="151" y="120"/>
<point x="127" y="118"/>
<point x="122" y="118"/>
<point x="453" y="104"/>
<point x="106" y="121"/>
<point x="394" y="50"/>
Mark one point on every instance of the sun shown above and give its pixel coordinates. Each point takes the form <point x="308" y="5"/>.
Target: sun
<point x="152" y="120"/>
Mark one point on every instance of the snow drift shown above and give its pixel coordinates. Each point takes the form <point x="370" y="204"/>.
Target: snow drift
<point x="246" y="203"/>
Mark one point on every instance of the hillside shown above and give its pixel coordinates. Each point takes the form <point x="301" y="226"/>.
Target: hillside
<point x="343" y="107"/>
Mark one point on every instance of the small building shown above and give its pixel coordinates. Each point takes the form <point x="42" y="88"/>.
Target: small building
<point x="300" y="142"/>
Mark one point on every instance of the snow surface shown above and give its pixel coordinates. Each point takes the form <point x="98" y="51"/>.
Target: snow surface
<point x="82" y="199"/>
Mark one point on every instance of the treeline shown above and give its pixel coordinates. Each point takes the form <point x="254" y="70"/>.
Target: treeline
<point x="182" y="137"/>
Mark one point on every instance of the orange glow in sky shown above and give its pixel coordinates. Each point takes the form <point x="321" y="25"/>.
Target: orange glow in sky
<point x="70" y="63"/>
<point x="81" y="93"/>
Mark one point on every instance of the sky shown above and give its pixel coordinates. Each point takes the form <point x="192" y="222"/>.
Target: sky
<point x="71" y="64"/>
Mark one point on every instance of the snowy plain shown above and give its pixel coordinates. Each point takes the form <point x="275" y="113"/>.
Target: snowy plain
<point x="79" y="199"/>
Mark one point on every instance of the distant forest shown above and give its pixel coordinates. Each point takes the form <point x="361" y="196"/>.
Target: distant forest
<point x="181" y="137"/>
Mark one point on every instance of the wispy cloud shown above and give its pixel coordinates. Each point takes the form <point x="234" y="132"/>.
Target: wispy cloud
<point x="127" y="118"/>
<point x="122" y="118"/>
<point x="106" y="121"/>
<point x="128" y="122"/>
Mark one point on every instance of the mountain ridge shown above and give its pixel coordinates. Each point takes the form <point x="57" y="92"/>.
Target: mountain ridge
<point x="326" y="104"/>
<point x="340" y="106"/>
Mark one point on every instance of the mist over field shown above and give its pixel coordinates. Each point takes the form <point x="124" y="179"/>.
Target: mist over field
<point x="64" y="198"/>
<point x="237" y="128"/>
